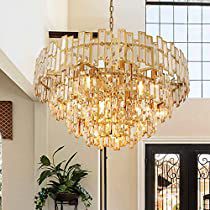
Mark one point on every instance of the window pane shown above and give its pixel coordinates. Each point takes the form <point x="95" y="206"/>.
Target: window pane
<point x="194" y="14"/>
<point x="166" y="14"/>
<point x="153" y="29"/>
<point x="206" y="33"/>
<point x="152" y="14"/>
<point x="194" y="52"/>
<point x="189" y="28"/>
<point x="180" y="33"/>
<point x="206" y="89"/>
<point x="183" y="47"/>
<point x="206" y="52"/>
<point x="206" y="70"/>
<point x="195" y="70"/>
<point x="206" y="14"/>
<point x="167" y="181"/>
<point x="195" y="89"/>
<point x="194" y="33"/>
<point x="166" y="31"/>
<point x="180" y="14"/>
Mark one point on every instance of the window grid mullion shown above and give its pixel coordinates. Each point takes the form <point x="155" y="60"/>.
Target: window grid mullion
<point x="201" y="42"/>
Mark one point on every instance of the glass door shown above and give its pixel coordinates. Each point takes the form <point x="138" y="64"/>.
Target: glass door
<point x="167" y="181"/>
<point x="177" y="177"/>
<point x="203" y="181"/>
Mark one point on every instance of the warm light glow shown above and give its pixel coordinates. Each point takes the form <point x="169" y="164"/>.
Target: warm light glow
<point x="140" y="88"/>
<point x="111" y="90"/>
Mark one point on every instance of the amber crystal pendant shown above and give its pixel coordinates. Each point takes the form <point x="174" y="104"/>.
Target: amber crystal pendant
<point x="114" y="89"/>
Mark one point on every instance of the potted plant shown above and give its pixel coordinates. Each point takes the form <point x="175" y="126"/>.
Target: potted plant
<point x="62" y="181"/>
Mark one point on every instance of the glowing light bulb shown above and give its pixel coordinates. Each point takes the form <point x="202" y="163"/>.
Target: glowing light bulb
<point x="138" y="110"/>
<point x="101" y="107"/>
<point x="140" y="88"/>
<point x="88" y="82"/>
<point x="101" y="64"/>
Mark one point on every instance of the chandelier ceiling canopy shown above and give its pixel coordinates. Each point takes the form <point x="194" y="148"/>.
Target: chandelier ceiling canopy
<point x="113" y="88"/>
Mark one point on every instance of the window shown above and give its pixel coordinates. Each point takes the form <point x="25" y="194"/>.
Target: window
<point x="187" y="23"/>
<point x="177" y="177"/>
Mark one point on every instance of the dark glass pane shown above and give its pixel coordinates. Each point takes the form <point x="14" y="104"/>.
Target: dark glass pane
<point x="203" y="181"/>
<point x="167" y="181"/>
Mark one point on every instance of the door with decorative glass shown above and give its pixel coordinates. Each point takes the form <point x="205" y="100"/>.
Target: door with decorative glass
<point x="177" y="177"/>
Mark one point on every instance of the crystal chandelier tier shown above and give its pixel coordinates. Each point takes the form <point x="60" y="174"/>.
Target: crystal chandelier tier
<point x="112" y="89"/>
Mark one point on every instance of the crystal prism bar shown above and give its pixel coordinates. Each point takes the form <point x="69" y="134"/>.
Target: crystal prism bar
<point x="111" y="90"/>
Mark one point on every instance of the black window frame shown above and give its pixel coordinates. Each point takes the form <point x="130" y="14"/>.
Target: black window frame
<point x="188" y="172"/>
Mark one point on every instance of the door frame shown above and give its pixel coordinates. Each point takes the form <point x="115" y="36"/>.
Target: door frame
<point x="141" y="158"/>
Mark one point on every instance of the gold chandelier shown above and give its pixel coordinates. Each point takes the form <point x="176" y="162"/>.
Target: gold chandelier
<point x="112" y="90"/>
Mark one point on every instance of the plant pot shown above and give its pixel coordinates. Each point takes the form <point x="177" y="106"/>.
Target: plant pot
<point x="66" y="197"/>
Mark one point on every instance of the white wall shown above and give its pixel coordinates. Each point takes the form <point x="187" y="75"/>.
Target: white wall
<point x="191" y="119"/>
<point x="24" y="25"/>
<point x="22" y="36"/>
<point x="18" y="155"/>
<point x="94" y="14"/>
<point x="57" y="15"/>
<point x="122" y="179"/>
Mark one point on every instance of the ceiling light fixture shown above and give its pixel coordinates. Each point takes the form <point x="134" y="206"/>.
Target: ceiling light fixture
<point x="112" y="89"/>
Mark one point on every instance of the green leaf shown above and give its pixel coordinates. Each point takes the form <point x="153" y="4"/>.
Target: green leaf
<point x="71" y="168"/>
<point x="45" y="160"/>
<point x="70" y="159"/>
<point x="60" y="148"/>
<point x="44" y="175"/>
<point x="40" y="198"/>
<point x="58" y="166"/>
<point x="78" y="175"/>
<point x="85" y="196"/>
<point x="54" y="183"/>
<point x="57" y="170"/>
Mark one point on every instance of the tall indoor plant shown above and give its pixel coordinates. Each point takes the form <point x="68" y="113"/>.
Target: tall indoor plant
<point x="61" y="179"/>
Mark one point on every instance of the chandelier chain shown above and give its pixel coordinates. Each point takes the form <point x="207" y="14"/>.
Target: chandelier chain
<point x="111" y="20"/>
